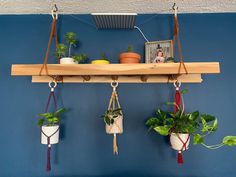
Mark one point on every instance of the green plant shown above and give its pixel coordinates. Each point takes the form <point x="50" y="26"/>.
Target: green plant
<point x="62" y="50"/>
<point x="110" y="115"/>
<point x="104" y="56"/>
<point x="130" y="48"/>
<point x="194" y="123"/>
<point x="51" y="118"/>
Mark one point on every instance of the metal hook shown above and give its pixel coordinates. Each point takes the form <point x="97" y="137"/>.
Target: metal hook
<point x="54" y="12"/>
<point x="175" y="8"/>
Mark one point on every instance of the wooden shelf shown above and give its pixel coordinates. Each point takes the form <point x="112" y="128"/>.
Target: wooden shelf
<point x="125" y="73"/>
<point x="184" y="78"/>
<point x="115" y="69"/>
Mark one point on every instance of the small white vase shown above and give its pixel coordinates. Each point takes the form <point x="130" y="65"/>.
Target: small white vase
<point x="68" y="60"/>
<point x="49" y="130"/>
<point x="176" y="143"/>
<point x="116" y="127"/>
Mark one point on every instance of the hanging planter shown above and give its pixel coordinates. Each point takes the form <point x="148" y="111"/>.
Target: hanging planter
<point x="113" y="117"/>
<point x="130" y="56"/>
<point x="180" y="125"/>
<point x="47" y="131"/>
<point x="64" y="53"/>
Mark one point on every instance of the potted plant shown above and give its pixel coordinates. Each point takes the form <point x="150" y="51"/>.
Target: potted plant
<point x="114" y="121"/>
<point x="64" y="52"/>
<point x="129" y="56"/>
<point x="50" y="128"/>
<point x="181" y="125"/>
<point x="102" y="60"/>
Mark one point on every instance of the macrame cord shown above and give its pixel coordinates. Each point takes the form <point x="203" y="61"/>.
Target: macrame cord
<point x="178" y="103"/>
<point x="51" y="95"/>
<point x="114" y="104"/>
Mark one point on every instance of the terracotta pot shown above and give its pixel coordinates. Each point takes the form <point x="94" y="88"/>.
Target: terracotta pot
<point x="68" y="60"/>
<point x="100" y="62"/>
<point x="49" y="130"/>
<point x="130" y="57"/>
<point x="176" y="143"/>
<point x="116" y="127"/>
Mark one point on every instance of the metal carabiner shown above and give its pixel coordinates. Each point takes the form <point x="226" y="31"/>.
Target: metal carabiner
<point x="52" y="85"/>
<point x="54" y="12"/>
<point x="177" y="84"/>
<point x="114" y="84"/>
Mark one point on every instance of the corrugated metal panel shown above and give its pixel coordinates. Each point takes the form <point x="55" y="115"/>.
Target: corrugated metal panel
<point x="114" y="20"/>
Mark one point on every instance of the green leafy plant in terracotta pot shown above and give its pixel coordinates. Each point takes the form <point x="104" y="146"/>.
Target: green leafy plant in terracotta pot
<point x="64" y="52"/>
<point x="102" y="60"/>
<point x="129" y="56"/>
<point x="49" y="123"/>
<point x="181" y="125"/>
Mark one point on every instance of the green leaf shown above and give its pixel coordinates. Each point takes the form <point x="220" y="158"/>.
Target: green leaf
<point x="61" y="50"/>
<point x="194" y="115"/>
<point x="229" y="140"/>
<point x="215" y="125"/>
<point x="79" y="58"/>
<point x="55" y="119"/>
<point x="163" y="130"/>
<point x="46" y="115"/>
<point x="197" y="139"/>
<point x="152" y="121"/>
<point x="107" y="120"/>
<point x="184" y="91"/>
<point x="208" y="117"/>
<point x="59" y="112"/>
<point x="40" y="122"/>
<point x="71" y="38"/>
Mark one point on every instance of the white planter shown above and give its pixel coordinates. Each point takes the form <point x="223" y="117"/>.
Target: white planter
<point x="116" y="127"/>
<point x="175" y="142"/>
<point x="68" y="60"/>
<point x="49" y="130"/>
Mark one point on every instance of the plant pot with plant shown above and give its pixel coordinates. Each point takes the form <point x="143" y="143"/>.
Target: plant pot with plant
<point x="129" y="56"/>
<point x="180" y="126"/>
<point x="103" y="60"/>
<point x="49" y="124"/>
<point x="63" y="52"/>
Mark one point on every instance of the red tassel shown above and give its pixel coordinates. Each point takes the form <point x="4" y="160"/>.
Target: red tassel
<point x="180" y="157"/>
<point x="177" y="99"/>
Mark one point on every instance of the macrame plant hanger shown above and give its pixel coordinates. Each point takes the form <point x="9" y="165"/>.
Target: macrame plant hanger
<point x="177" y="107"/>
<point x="53" y="34"/>
<point x="52" y="86"/>
<point x="116" y="127"/>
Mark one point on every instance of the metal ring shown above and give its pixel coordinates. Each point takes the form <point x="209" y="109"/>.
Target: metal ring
<point x="54" y="84"/>
<point x="114" y="84"/>
<point x="177" y="84"/>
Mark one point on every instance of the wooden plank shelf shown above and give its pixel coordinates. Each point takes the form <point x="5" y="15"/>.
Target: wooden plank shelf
<point x="184" y="78"/>
<point x="116" y="69"/>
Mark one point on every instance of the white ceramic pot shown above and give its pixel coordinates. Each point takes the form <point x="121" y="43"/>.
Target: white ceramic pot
<point x="116" y="127"/>
<point x="49" y="130"/>
<point x="68" y="60"/>
<point x="176" y="143"/>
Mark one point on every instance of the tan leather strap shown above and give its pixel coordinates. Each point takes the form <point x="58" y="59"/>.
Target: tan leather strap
<point x="53" y="34"/>
<point x="177" y="38"/>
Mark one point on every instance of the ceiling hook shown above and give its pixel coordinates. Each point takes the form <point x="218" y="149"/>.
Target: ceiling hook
<point x="54" y="12"/>
<point x="175" y="8"/>
<point x="55" y="9"/>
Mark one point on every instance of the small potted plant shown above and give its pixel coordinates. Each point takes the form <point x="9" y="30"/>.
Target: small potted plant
<point x="114" y="121"/>
<point x="49" y="123"/>
<point x="64" y="52"/>
<point x="180" y="126"/>
<point x="129" y="56"/>
<point x="102" y="60"/>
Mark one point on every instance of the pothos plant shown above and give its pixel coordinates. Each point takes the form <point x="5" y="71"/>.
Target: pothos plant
<point x="194" y="123"/>
<point x="110" y="115"/>
<point x="50" y="118"/>
<point x="63" y="50"/>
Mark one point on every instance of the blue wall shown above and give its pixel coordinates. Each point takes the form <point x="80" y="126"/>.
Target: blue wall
<point x="85" y="149"/>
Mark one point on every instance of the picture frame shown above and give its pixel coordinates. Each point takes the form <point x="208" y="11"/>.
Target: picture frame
<point x="159" y="51"/>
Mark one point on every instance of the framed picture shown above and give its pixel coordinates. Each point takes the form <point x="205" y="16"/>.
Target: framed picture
<point x="159" y="51"/>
